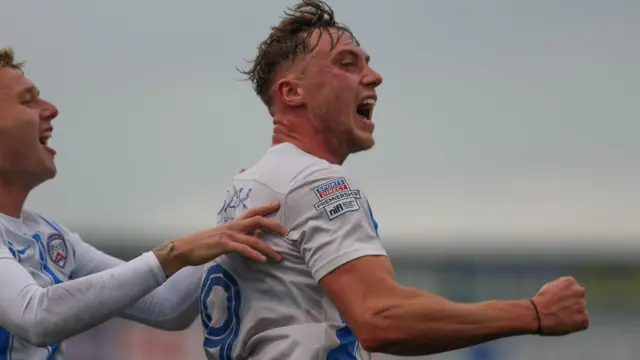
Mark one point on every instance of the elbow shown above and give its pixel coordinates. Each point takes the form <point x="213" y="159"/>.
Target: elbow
<point x="374" y="342"/>
<point x="376" y="334"/>
<point x="38" y="336"/>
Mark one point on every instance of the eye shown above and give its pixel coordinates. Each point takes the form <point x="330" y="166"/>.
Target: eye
<point x="349" y="64"/>
<point x="29" y="99"/>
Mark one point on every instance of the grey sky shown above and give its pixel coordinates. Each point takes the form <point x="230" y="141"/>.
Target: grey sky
<point x="495" y="116"/>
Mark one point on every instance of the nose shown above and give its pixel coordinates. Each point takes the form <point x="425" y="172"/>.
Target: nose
<point x="372" y="78"/>
<point x="49" y="111"/>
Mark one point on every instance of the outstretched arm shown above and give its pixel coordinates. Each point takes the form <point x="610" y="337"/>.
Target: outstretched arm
<point x="44" y="316"/>
<point x="332" y="223"/>
<point x="393" y="319"/>
<point x="172" y="306"/>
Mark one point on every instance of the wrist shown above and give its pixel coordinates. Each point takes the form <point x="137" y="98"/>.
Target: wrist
<point x="538" y="328"/>
<point x="169" y="262"/>
<point x="531" y="317"/>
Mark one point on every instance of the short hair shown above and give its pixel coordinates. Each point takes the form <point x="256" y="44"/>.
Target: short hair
<point x="289" y="40"/>
<point x="7" y="60"/>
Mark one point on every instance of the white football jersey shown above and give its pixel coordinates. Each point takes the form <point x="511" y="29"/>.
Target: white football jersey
<point x="43" y="248"/>
<point x="278" y="311"/>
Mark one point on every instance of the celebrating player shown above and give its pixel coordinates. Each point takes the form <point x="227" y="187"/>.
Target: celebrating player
<point x="334" y="295"/>
<point x="52" y="284"/>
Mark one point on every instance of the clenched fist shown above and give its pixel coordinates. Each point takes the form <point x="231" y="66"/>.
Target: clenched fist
<point x="562" y="307"/>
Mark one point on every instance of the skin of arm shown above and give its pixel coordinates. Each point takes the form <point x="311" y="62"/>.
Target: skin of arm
<point x="393" y="319"/>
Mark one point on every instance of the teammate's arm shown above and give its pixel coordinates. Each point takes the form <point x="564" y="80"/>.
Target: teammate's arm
<point x="172" y="306"/>
<point x="44" y="316"/>
<point x="337" y="236"/>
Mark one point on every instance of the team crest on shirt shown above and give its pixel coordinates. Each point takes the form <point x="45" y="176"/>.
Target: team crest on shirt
<point x="336" y="198"/>
<point x="57" y="249"/>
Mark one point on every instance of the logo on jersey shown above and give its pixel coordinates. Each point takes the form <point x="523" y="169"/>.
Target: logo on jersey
<point x="336" y="198"/>
<point x="57" y="249"/>
<point x="233" y="204"/>
<point x="221" y="329"/>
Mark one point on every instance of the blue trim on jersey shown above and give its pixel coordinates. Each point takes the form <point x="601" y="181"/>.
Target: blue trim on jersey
<point x="52" y="349"/>
<point x="17" y="253"/>
<point x="52" y="224"/>
<point x="482" y="352"/>
<point x="348" y="346"/>
<point x="6" y="344"/>
<point x="375" y="223"/>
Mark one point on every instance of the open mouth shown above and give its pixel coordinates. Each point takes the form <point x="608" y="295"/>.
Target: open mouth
<point x="365" y="109"/>
<point x="44" y="140"/>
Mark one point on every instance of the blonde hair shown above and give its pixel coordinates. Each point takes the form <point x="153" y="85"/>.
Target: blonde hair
<point x="290" y="39"/>
<point x="7" y="59"/>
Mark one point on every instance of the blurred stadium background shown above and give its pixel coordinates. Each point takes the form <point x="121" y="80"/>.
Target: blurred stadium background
<point x="496" y="115"/>
<point x="472" y="268"/>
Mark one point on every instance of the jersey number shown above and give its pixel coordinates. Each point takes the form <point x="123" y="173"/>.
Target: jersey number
<point x="225" y="334"/>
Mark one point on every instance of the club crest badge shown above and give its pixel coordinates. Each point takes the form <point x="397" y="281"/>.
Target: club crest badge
<point x="57" y="249"/>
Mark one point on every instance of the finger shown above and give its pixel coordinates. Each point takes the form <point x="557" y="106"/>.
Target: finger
<point x="260" y="223"/>
<point x="258" y="245"/>
<point x="245" y="251"/>
<point x="260" y="211"/>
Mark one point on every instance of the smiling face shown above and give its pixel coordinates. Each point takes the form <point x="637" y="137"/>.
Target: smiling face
<point x="26" y="160"/>
<point x="338" y="88"/>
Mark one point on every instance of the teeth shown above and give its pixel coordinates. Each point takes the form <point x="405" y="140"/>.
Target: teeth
<point x="368" y="102"/>
<point x="45" y="136"/>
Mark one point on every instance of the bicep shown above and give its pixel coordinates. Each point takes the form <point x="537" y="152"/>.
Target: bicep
<point x="360" y="287"/>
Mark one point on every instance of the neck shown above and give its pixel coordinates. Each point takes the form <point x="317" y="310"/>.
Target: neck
<point x="12" y="199"/>
<point x="304" y="135"/>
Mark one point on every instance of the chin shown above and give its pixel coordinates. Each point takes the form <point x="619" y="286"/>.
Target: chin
<point x="362" y="143"/>
<point x="49" y="173"/>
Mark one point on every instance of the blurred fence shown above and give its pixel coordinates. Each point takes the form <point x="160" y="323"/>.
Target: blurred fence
<point x="612" y="282"/>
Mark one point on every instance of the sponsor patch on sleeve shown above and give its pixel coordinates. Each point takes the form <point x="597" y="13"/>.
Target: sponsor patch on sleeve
<point x="336" y="198"/>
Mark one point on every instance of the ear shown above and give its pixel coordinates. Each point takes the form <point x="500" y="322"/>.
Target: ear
<point x="290" y="91"/>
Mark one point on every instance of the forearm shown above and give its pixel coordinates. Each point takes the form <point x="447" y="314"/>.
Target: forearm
<point x="428" y="324"/>
<point x="44" y="316"/>
<point x="172" y="306"/>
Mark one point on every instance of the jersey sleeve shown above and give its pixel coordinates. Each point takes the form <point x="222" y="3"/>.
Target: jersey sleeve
<point x="46" y="315"/>
<point x="329" y="218"/>
<point x="172" y="306"/>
